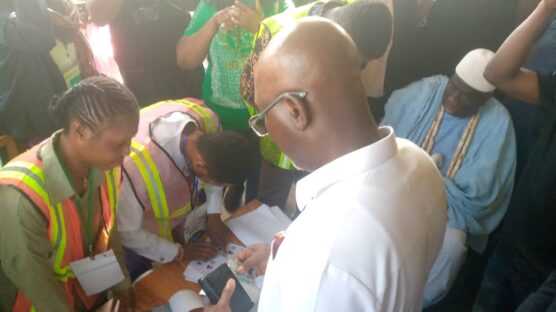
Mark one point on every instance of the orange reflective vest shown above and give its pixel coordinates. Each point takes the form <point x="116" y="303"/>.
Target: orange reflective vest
<point x="161" y="188"/>
<point x="25" y="173"/>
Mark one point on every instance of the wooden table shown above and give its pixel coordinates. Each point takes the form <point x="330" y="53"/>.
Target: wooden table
<point x="156" y="288"/>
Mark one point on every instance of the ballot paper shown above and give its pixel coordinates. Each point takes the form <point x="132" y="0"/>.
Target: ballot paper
<point x="259" y="226"/>
<point x="198" y="269"/>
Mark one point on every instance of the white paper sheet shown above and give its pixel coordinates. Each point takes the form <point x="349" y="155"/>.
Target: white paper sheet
<point x="259" y="226"/>
<point x="99" y="274"/>
<point x="280" y="215"/>
<point x="198" y="269"/>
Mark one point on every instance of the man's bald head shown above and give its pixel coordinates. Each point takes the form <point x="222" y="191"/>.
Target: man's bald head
<point x="314" y="48"/>
<point x="317" y="56"/>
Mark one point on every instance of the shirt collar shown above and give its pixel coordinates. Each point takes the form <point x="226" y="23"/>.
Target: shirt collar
<point x="57" y="185"/>
<point x="346" y="166"/>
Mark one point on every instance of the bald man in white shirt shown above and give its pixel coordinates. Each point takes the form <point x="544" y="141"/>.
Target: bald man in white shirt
<point x="373" y="207"/>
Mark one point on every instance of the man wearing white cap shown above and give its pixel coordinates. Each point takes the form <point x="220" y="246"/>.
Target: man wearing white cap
<point x="470" y="136"/>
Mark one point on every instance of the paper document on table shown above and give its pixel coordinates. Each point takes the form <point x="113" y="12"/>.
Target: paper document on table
<point x="197" y="269"/>
<point x="259" y="226"/>
<point x="280" y="215"/>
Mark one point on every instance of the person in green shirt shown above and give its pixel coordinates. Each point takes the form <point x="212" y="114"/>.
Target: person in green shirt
<point x="70" y="170"/>
<point x="222" y="31"/>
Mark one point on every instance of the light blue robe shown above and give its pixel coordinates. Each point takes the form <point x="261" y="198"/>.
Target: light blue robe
<point x="480" y="192"/>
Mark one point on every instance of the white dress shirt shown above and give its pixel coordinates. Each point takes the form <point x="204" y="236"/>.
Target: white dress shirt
<point x="371" y="226"/>
<point x="166" y="132"/>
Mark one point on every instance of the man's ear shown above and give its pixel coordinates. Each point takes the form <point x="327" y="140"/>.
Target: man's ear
<point x="200" y="169"/>
<point x="298" y="111"/>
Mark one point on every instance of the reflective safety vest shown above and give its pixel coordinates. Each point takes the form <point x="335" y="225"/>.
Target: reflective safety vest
<point x="26" y="174"/>
<point x="162" y="189"/>
<point x="269" y="150"/>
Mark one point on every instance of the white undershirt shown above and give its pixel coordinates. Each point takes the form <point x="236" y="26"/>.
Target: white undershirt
<point x="166" y="132"/>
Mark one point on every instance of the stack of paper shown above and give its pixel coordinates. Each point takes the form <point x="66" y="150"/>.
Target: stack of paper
<point x="259" y="226"/>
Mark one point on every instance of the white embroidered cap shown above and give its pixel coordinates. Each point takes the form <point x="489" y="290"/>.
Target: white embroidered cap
<point x="471" y="68"/>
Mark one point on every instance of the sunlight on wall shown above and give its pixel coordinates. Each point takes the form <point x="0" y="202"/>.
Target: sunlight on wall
<point x="101" y="44"/>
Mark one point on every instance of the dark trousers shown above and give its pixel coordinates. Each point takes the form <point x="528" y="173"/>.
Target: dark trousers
<point x="136" y="264"/>
<point x="503" y="288"/>
<point x="252" y="181"/>
<point x="542" y="300"/>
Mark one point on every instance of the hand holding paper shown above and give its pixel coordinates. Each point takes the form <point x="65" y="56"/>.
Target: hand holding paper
<point x="254" y="256"/>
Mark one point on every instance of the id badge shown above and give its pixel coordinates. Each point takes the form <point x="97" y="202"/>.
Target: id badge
<point x="98" y="274"/>
<point x="195" y="222"/>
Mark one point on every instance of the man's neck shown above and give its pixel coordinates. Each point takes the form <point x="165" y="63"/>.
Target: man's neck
<point x="192" y="135"/>
<point x="357" y="137"/>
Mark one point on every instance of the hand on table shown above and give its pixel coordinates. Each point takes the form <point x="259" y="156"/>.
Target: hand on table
<point x="254" y="256"/>
<point x="223" y="304"/>
<point x="217" y="231"/>
<point x="199" y="251"/>
<point x="246" y="17"/>
<point x="123" y="301"/>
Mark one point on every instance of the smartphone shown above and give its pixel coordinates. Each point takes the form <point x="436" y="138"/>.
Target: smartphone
<point x="214" y="283"/>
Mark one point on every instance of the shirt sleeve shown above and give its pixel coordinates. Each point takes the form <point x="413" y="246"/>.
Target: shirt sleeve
<point x="214" y="198"/>
<point x="201" y="16"/>
<point x="26" y="252"/>
<point x="358" y="298"/>
<point x="131" y="233"/>
<point x="25" y="25"/>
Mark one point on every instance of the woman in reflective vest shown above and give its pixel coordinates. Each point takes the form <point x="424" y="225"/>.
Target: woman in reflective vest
<point x="59" y="201"/>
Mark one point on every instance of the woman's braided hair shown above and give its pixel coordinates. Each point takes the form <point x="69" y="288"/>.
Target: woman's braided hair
<point x="92" y="102"/>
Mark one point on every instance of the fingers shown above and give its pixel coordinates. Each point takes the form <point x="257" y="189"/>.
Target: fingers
<point x="244" y="254"/>
<point x="200" y="251"/>
<point x="219" y="238"/>
<point x="258" y="6"/>
<point x="115" y="306"/>
<point x="227" y="293"/>
<point x="132" y="302"/>
<point x="255" y="256"/>
<point x="247" y="263"/>
<point x="241" y="6"/>
<point x="224" y="16"/>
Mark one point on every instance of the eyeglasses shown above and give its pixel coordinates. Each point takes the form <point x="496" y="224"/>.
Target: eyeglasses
<point x="257" y="122"/>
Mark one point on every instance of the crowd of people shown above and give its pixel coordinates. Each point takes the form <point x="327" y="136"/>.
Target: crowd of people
<point x="416" y="139"/>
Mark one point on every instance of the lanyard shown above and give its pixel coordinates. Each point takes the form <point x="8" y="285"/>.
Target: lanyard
<point x="77" y="200"/>
<point x="192" y="182"/>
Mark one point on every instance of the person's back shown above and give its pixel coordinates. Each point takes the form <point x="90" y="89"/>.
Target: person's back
<point x="373" y="210"/>
<point x="378" y="241"/>
<point x="40" y="57"/>
<point x="144" y="35"/>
